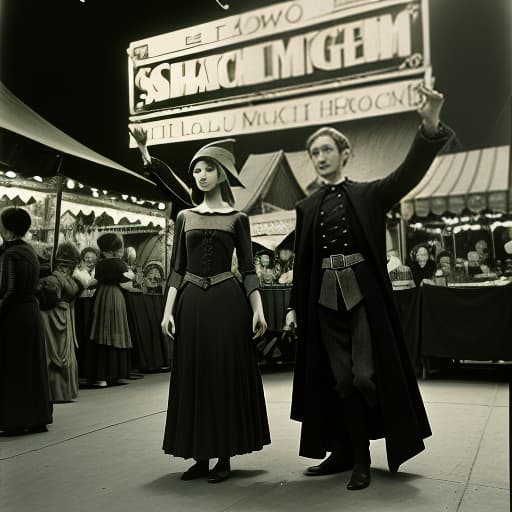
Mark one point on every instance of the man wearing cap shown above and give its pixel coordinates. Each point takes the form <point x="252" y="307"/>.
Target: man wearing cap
<point x="353" y="380"/>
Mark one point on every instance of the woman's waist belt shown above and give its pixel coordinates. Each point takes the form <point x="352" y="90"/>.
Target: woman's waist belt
<point x="206" y="282"/>
<point x="339" y="275"/>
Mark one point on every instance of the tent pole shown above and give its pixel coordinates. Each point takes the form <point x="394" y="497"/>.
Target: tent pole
<point x="402" y="241"/>
<point x="60" y="182"/>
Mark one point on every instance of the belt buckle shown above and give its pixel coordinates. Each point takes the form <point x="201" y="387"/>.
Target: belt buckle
<point x="206" y="283"/>
<point x="337" y="261"/>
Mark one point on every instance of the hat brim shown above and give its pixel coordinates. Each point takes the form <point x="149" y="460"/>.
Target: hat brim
<point x="231" y="172"/>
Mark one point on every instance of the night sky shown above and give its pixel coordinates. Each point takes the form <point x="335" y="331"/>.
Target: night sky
<point x="67" y="60"/>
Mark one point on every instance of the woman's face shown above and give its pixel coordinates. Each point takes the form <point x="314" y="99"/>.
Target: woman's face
<point x="422" y="256"/>
<point x="89" y="260"/>
<point x="153" y="278"/>
<point x="205" y="175"/>
<point x="285" y="254"/>
<point x="265" y="260"/>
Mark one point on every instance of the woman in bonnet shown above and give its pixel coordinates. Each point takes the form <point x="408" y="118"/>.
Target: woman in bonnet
<point x="216" y="402"/>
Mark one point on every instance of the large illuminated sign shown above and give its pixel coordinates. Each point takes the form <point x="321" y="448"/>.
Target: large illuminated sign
<point x="257" y="70"/>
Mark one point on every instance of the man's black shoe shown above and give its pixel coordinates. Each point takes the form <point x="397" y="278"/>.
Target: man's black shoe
<point x="198" y="470"/>
<point x="360" y="478"/>
<point x="330" y="466"/>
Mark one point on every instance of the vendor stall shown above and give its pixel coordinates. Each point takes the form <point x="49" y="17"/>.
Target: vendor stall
<point x="461" y="324"/>
<point x="463" y="199"/>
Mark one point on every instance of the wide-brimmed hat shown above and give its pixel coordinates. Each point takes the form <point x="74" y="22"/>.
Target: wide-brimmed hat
<point x="67" y="253"/>
<point x="222" y="151"/>
<point x="508" y="247"/>
<point x="153" y="264"/>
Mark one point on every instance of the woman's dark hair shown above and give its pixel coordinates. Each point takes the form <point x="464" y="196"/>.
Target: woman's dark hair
<point x="16" y="220"/>
<point x="85" y="250"/>
<point x="444" y="254"/>
<point x="415" y="249"/>
<point x="225" y="188"/>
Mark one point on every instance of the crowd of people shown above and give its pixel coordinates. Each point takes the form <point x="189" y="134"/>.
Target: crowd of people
<point x="353" y="379"/>
<point x="77" y="316"/>
<point x="430" y="264"/>
<point x="274" y="267"/>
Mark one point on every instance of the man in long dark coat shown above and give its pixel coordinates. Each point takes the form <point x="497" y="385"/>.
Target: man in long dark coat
<point x="353" y="379"/>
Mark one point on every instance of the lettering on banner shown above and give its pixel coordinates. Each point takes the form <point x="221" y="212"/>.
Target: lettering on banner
<point x="333" y="49"/>
<point x="329" y="108"/>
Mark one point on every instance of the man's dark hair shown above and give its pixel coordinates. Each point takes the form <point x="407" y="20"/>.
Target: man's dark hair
<point x="339" y="139"/>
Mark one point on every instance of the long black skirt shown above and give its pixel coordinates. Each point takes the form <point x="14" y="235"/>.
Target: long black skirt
<point x="83" y="322"/>
<point x="216" y="400"/>
<point x="24" y="393"/>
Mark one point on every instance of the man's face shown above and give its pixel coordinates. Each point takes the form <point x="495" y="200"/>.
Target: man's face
<point x="327" y="159"/>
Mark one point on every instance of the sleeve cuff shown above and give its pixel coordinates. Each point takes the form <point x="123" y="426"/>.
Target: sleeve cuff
<point x="175" y="280"/>
<point x="443" y="132"/>
<point x="251" y="283"/>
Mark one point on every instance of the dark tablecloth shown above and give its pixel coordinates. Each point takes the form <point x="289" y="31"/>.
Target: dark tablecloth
<point x="457" y="323"/>
<point x="408" y="306"/>
<point x="467" y="323"/>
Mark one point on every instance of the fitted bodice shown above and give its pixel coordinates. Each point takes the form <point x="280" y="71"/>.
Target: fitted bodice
<point x="209" y="251"/>
<point x="204" y="244"/>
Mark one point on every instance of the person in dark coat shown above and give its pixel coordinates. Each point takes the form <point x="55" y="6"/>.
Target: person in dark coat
<point x="353" y="379"/>
<point x="24" y="396"/>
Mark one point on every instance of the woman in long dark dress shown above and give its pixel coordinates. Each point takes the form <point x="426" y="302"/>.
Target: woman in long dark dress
<point x="216" y="402"/>
<point x="59" y="326"/>
<point x="109" y="350"/>
<point x="24" y="398"/>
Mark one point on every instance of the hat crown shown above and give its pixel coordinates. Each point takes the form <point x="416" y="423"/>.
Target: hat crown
<point x="67" y="252"/>
<point x="109" y="242"/>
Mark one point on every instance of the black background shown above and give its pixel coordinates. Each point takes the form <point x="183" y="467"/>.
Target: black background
<point x="67" y="60"/>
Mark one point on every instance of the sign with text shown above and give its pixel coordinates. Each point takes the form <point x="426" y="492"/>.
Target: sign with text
<point x="274" y="52"/>
<point x="333" y="107"/>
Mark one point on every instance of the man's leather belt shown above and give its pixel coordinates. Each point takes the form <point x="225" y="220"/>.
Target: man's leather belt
<point x="206" y="282"/>
<point x="339" y="261"/>
<point x="339" y="275"/>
